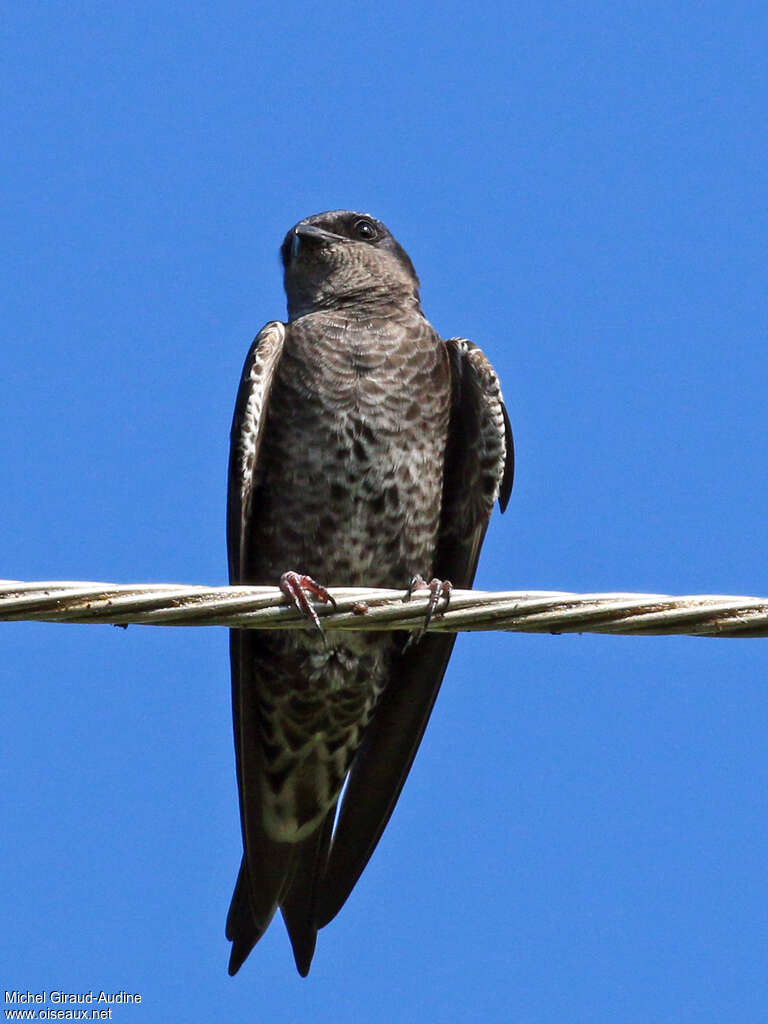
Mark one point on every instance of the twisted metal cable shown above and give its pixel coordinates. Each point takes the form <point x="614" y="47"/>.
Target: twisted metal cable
<point x="159" y="604"/>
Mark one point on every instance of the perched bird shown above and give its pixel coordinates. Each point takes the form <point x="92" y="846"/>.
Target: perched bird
<point x="365" y="451"/>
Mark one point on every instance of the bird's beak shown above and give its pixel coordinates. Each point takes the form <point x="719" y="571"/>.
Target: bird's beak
<point x="311" y="234"/>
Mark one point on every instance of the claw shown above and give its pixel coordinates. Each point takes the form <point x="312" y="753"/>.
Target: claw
<point x="296" y="587"/>
<point x="437" y="589"/>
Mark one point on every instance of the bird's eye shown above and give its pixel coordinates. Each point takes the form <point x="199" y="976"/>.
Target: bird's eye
<point x="366" y="230"/>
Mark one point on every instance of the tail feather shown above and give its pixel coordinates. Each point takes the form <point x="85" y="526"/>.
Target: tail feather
<point x="258" y="889"/>
<point x="285" y="875"/>
<point x="241" y="929"/>
<point x="298" y="902"/>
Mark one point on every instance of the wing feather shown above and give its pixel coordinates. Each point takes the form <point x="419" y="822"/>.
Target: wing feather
<point x="263" y="870"/>
<point x="245" y="439"/>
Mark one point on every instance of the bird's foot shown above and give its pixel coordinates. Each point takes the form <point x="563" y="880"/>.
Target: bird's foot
<point x="438" y="589"/>
<point x="296" y="588"/>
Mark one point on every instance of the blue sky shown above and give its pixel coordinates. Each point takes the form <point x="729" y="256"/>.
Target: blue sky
<point x="581" y="188"/>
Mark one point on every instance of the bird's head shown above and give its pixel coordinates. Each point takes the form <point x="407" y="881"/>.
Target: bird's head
<point x="343" y="260"/>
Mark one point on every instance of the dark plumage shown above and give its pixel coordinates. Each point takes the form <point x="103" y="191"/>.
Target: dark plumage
<point x="364" y="450"/>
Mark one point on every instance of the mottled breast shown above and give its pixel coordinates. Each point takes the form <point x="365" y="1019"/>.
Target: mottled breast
<point x="350" y="472"/>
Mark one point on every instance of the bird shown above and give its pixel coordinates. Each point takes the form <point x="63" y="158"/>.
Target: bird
<point x="365" y="451"/>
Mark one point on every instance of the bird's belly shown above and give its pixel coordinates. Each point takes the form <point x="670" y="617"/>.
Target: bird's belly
<point x="357" y="504"/>
<point x="350" y="493"/>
